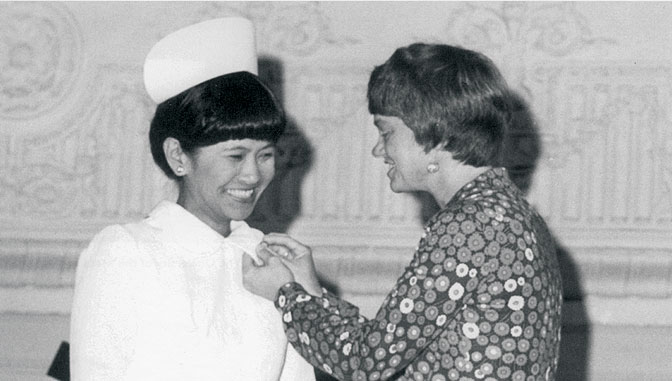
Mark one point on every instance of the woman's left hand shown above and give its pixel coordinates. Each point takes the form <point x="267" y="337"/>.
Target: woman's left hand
<point x="296" y="256"/>
<point x="265" y="280"/>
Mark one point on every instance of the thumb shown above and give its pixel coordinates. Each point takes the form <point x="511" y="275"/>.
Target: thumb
<point x="263" y="253"/>
<point x="264" y="256"/>
<point x="249" y="263"/>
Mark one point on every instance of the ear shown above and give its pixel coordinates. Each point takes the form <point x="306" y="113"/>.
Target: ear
<point x="441" y="156"/>
<point x="436" y="153"/>
<point x="177" y="159"/>
<point x="445" y="158"/>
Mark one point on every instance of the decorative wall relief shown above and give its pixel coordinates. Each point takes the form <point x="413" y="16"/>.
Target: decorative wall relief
<point x="92" y="166"/>
<point x="514" y="34"/>
<point x="40" y="59"/>
<point x="298" y="29"/>
<point x="325" y="100"/>
<point x="76" y="158"/>
<point x="607" y="133"/>
<point x="620" y="272"/>
<point x="555" y="29"/>
<point x="127" y="184"/>
<point x="85" y="171"/>
<point x="43" y="263"/>
<point x="283" y="28"/>
<point x="604" y="126"/>
<point x="346" y="184"/>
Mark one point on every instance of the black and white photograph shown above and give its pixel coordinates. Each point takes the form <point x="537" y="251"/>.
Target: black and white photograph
<point x="335" y="190"/>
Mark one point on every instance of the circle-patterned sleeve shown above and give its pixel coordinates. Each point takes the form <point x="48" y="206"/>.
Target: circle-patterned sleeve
<point x="425" y="300"/>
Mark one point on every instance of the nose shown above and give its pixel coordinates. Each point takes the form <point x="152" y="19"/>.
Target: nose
<point x="249" y="172"/>
<point x="378" y="149"/>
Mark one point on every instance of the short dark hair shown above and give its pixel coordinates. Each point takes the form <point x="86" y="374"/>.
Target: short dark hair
<point x="448" y="96"/>
<point x="228" y="107"/>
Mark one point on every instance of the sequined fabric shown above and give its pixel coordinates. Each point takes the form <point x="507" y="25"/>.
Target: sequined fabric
<point x="480" y="300"/>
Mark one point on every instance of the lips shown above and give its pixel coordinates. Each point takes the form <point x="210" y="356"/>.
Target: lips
<point x="245" y="195"/>
<point x="392" y="167"/>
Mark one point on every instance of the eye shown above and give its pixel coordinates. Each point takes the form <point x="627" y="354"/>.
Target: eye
<point x="385" y="135"/>
<point x="266" y="155"/>
<point x="236" y="157"/>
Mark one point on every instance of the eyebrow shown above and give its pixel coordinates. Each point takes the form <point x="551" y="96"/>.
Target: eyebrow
<point x="380" y="125"/>
<point x="242" y="147"/>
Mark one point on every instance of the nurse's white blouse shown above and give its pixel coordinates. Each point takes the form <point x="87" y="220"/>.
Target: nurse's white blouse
<point x="163" y="299"/>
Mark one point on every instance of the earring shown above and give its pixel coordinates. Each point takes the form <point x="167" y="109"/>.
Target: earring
<point x="179" y="170"/>
<point x="432" y="167"/>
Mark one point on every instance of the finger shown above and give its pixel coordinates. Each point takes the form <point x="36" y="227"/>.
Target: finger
<point x="276" y="234"/>
<point x="263" y="254"/>
<point x="276" y="262"/>
<point x="261" y="248"/>
<point x="266" y="250"/>
<point x="249" y="263"/>
<point x="285" y="252"/>
<point x="281" y="251"/>
<point x="279" y="239"/>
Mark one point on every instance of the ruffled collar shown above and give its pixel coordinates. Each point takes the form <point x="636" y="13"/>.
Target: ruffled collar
<point x="177" y="225"/>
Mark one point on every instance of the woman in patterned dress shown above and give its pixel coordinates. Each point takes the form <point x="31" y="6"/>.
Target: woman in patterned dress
<point x="481" y="297"/>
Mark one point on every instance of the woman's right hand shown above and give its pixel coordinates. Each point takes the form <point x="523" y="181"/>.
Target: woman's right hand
<point x="296" y="256"/>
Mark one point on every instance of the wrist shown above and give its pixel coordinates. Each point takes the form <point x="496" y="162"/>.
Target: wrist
<point x="286" y="293"/>
<point x="313" y="287"/>
<point x="279" y="294"/>
<point x="282" y="283"/>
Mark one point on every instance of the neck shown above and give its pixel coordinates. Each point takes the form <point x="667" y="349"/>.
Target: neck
<point x="222" y="228"/>
<point x="451" y="180"/>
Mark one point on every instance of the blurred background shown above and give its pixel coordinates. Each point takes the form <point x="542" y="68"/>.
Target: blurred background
<point x="592" y="147"/>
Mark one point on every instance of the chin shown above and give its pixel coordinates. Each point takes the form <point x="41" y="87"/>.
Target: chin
<point x="401" y="188"/>
<point x="240" y="217"/>
<point x="240" y="214"/>
<point x="396" y="188"/>
<point x="237" y="210"/>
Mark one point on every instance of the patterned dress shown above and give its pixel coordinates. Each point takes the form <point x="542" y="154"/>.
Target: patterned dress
<point x="480" y="300"/>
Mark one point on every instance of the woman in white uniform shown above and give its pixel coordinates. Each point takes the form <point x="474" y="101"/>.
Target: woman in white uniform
<point x="162" y="298"/>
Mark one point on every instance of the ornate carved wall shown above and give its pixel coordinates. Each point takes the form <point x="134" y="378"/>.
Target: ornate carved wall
<point x="593" y="146"/>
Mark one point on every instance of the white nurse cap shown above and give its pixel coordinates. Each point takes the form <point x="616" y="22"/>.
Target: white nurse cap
<point x="198" y="53"/>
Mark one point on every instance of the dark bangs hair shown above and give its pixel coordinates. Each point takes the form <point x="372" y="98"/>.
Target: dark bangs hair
<point x="448" y="96"/>
<point x="230" y="107"/>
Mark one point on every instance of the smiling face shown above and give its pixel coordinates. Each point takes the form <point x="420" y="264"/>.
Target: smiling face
<point x="224" y="181"/>
<point x="407" y="159"/>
